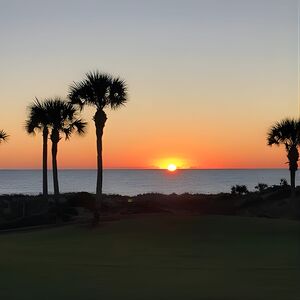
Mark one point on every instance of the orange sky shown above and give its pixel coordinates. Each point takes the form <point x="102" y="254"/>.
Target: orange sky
<point x="206" y="80"/>
<point x="145" y="145"/>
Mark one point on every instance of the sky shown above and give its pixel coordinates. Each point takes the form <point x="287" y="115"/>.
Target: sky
<point x="206" y="78"/>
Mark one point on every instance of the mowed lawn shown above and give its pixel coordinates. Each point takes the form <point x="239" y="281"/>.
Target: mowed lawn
<point x="155" y="257"/>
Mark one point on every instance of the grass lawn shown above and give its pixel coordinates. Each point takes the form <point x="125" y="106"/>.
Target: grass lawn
<point x="156" y="257"/>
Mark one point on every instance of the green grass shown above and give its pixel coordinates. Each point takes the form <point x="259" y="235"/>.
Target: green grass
<point x="168" y="257"/>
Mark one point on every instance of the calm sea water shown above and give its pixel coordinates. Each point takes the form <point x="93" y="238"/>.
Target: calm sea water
<point x="133" y="182"/>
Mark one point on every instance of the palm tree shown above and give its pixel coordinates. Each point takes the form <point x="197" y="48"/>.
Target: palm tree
<point x="3" y="136"/>
<point x="38" y="121"/>
<point x="101" y="91"/>
<point x="63" y="120"/>
<point x="287" y="133"/>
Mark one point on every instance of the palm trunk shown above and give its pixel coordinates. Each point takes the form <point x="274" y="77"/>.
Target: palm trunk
<point x="99" y="119"/>
<point x="293" y="157"/>
<point x="45" y="162"/>
<point x="293" y="182"/>
<point x="55" y="140"/>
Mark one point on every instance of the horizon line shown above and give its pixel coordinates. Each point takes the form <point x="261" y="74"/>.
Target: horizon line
<point x="145" y="169"/>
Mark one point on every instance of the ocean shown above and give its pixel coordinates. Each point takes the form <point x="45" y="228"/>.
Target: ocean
<point x="133" y="182"/>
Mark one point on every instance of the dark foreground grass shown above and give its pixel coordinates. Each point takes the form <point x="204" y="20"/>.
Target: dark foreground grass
<point x="167" y="257"/>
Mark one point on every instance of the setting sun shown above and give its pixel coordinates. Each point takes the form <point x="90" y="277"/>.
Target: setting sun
<point x="172" y="163"/>
<point x="172" y="168"/>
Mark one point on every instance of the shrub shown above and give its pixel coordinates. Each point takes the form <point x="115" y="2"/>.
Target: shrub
<point x="239" y="190"/>
<point x="81" y="199"/>
<point x="261" y="187"/>
<point x="283" y="182"/>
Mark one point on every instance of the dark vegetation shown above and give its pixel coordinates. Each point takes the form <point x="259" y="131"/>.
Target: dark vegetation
<point x="3" y="136"/>
<point x="239" y="190"/>
<point x="55" y="118"/>
<point x="287" y="133"/>
<point x="101" y="91"/>
<point x="273" y="202"/>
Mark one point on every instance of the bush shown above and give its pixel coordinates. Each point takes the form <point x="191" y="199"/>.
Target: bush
<point x="261" y="187"/>
<point x="81" y="199"/>
<point x="283" y="182"/>
<point x="239" y="190"/>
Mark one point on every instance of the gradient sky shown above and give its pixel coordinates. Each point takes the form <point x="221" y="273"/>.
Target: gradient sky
<point x="206" y="78"/>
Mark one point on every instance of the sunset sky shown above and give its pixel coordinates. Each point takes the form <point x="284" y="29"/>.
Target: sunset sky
<point x="206" y="78"/>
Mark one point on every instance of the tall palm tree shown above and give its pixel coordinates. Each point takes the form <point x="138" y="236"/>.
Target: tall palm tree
<point x="63" y="120"/>
<point x="38" y="121"/>
<point x="101" y="91"/>
<point x="287" y="133"/>
<point x="3" y="136"/>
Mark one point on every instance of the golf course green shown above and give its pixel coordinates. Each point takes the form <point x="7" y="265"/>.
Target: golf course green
<point x="155" y="257"/>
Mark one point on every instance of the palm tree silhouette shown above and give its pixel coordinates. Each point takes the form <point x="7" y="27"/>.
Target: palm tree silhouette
<point x="287" y="133"/>
<point x="38" y="121"/>
<point x="101" y="91"/>
<point x="3" y="136"/>
<point x="63" y="120"/>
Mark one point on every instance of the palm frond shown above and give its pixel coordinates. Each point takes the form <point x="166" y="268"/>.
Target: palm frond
<point x="80" y="94"/>
<point x="118" y="93"/>
<point x="31" y="126"/>
<point x="99" y="90"/>
<point x="3" y="136"/>
<point x="37" y="117"/>
<point x="285" y="132"/>
<point x="63" y="117"/>
<point x="80" y="126"/>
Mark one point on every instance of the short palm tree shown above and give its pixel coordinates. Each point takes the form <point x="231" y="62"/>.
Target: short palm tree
<point x="287" y="133"/>
<point x="101" y="91"/>
<point x="3" y="136"/>
<point x="63" y="120"/>
<point x="38" y="121"/>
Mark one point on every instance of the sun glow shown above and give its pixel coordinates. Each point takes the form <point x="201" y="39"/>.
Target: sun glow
<point x="172" y="167"/>
<point x="171" y="163"/>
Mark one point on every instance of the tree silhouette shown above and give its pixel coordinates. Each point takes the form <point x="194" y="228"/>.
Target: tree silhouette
<point x="38" y="121"/>
<point x="287" y="133"/>
<point x="3" y="136"/>
<point x="63" y="121"/>
<point x="101" y="91"/>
